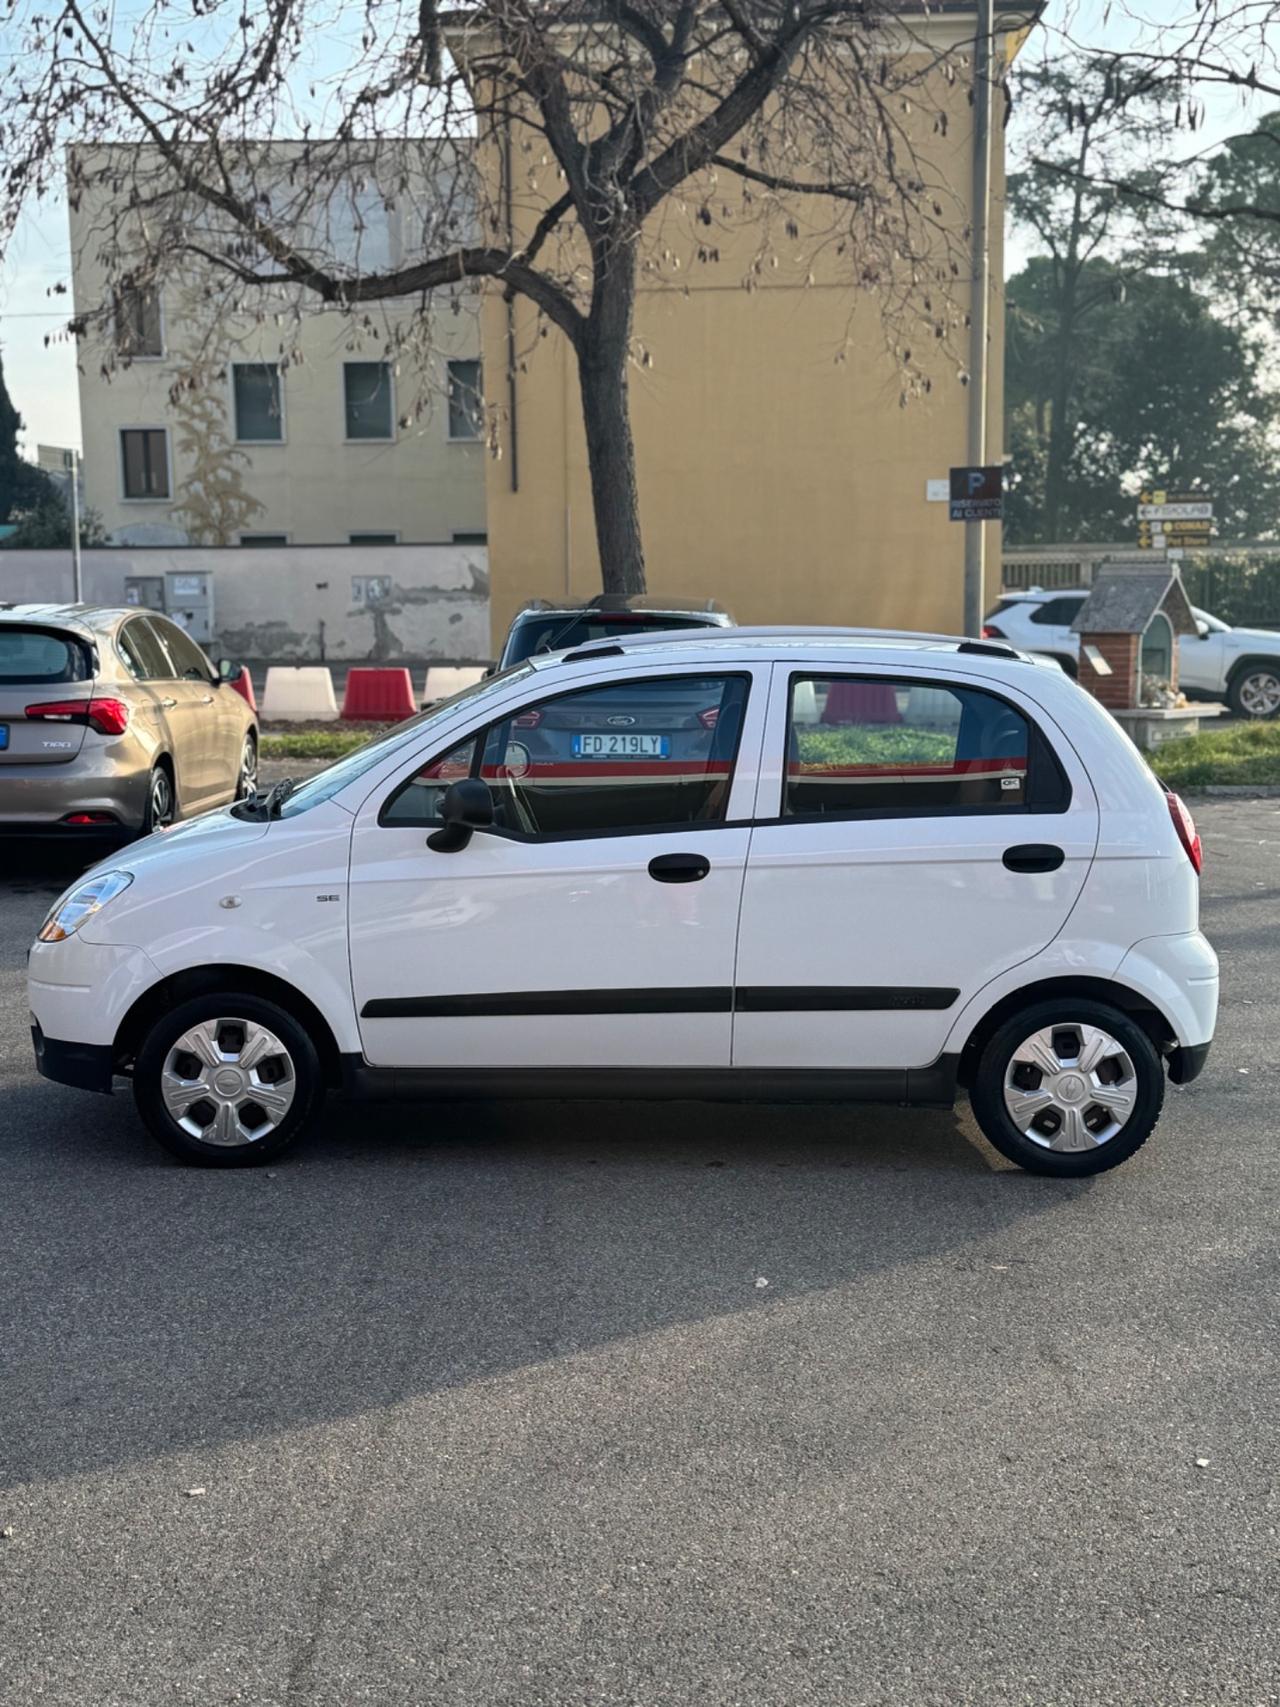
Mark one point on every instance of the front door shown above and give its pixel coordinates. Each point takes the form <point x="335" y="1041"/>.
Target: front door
<point x="595" y="925"/>
<point x="924" y="839"/>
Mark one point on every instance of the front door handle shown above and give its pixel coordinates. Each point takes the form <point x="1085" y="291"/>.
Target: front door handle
<point x="679" y="868"/>
<point x="1034" y="856"/>
<point x="168" y="704"/>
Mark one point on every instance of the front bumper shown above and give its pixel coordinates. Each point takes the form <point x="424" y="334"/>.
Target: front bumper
<point x="86" y="1066"/>
<point x="1188" y="1063"/>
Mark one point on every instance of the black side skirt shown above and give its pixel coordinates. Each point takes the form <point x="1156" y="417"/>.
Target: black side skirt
<point x="919" y="1087"/>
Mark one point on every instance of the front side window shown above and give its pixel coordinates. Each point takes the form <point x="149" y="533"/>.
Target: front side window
<point x="137" y="322"/>
<point x="466" y="404"/>
<point x="259" y="414"/>
<point x="189" y="662"/>
<point x="872" y="743"/>
<point x="367" y="399"/>
<point x="144" y="454"/>
<point x="634" y="756"/>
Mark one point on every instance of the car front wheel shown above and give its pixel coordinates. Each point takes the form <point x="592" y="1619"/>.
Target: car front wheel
<point x="247" y="781"/>
<point x="1255" y="691"/>
<point x="228" y="1080"/>
<point x="1068" y="1088"/>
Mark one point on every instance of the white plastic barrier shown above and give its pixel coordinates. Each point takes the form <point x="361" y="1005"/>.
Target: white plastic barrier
<point x="442" y="680"/>
<point x="299" y="694"/>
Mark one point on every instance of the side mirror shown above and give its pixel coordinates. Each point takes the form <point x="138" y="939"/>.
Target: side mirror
<point x="227" y="670"/>
<point x="467" y="806"/>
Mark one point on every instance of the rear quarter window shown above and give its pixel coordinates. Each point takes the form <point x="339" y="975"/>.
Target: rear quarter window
<point x="29" y="655"/>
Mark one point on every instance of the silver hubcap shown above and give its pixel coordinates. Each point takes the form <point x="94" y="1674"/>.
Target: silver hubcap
<point x="1070" y="1087"/>
<point x="228" y="1081"/>
<point x="161" y="800"/>
<point x="1260" y="694"/>
<point x="249" y="766"/>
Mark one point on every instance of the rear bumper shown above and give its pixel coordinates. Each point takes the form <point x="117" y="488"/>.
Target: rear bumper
<point x="34" y="799"/>
<point x="86" y="1066"/>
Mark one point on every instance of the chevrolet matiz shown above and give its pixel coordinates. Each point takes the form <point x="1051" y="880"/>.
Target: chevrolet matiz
<point x="800" y="864"/>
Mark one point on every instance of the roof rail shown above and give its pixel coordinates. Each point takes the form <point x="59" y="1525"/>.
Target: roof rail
<point x="783" y="632"/>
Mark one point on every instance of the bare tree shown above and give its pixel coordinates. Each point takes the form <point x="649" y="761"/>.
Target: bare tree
<point x="549" y="142"/>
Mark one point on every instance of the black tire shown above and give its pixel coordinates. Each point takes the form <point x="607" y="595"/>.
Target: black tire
<point x="160" y="788"/>
<point x="987" y="1093"/>
<point x="303" y="1081"/>
<point x="247" y="779"/>
<point x="1254" y="690"/>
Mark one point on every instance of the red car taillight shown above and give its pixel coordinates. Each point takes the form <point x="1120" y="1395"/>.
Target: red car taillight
<point x="527" y="720"/>
<point x="107" y="716"/>
<point x="991" y="632"/>
<point x="1185" y="825"/>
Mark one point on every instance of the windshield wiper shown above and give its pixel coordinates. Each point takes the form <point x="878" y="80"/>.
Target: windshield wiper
<point x="260" y="808"/>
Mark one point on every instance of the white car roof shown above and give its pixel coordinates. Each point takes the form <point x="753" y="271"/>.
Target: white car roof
<point x="853" y="645"/>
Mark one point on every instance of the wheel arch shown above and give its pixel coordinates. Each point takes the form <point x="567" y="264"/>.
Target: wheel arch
<point x="1130" y="1001"/>
<point x="209" y="980"/>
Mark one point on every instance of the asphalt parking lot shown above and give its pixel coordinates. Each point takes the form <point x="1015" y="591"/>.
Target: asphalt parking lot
<point x="556" y="1405"/>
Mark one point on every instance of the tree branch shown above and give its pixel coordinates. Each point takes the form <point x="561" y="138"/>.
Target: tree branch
<point x="791" y="186"/>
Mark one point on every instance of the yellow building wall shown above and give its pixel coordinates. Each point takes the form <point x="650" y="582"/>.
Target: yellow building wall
<point x="786" y="485"/>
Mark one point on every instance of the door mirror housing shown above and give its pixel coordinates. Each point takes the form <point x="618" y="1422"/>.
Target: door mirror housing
<point x="228" y="669"/>
<point x="467" y="806"/>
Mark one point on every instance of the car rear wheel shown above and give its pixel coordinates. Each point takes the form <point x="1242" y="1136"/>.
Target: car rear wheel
<point x="1254" y="691"/>
<point x="247" y="781"/>
<point x="161" y="801"/>
<point x="228" y="1080"/>
<point x="1068" y="1088"/>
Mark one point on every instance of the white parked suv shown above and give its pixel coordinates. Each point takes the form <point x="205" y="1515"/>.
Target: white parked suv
<point x="734" y="863"/>
<point x="1240" y="665"/>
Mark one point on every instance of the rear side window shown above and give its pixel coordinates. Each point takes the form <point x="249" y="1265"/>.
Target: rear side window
<point x="1058" y="613"/>
<point x="28" y="655"/>
<point x="859" y="744"/>
<point x="143" y="653"/>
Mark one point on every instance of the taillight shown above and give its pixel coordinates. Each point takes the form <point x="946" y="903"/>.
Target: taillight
<point x="710" y="717"/>
<point x="1185" y="825"/>
<point x="527" y="720"/>
<point x="107" y="716"/>
<point x="90" y="820"/>
<point x="991" y="632"/>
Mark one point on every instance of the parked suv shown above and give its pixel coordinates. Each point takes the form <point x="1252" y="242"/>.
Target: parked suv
<point x="114" y="722"/>
<point x="543" y="627"/>
<point x="834" y="866"/>
<point x="1240" y="665"/>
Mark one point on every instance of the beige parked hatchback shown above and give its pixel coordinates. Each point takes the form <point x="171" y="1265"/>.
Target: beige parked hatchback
<point x="114" y="721"/>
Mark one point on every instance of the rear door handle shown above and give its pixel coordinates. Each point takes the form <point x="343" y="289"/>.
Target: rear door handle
<point x="1034" y="856"/>
<point x="679" y="868"/>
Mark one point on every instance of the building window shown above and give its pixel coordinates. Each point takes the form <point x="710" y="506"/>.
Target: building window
<point x="264" y="539"/>
<point x="259" y="414"/>
<point x="470" y="539"/>
<point x="137" y="322"/>
<point x="466" y="405"/>
<point x="145" y="455"/>
<point x="367" y="397"/>
<point x="374" y="538"/>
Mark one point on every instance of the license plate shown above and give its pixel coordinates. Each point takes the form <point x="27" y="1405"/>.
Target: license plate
<point x="4" y="736"/>
<point x="619" y="746"/>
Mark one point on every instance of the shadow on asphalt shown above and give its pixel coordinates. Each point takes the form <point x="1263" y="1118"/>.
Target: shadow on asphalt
<point x="151" y="1307"/>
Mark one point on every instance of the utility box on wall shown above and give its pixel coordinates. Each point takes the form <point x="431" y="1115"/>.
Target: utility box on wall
<point x="189" y="600"/>
<point x="146" y="592"/>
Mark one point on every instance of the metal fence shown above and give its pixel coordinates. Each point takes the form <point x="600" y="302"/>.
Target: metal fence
<point x="1241" y="585"/>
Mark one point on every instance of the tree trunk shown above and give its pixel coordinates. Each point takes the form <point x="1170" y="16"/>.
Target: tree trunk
<point x="603" y="353"/>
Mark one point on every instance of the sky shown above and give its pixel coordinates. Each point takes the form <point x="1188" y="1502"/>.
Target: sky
<point x="40" y="359"/>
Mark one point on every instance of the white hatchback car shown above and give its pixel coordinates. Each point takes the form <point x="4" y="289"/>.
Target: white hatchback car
<point x="743" y="863"/>
<point x="1240" y="665"/>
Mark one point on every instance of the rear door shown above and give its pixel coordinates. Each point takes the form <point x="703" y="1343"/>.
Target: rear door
<point x="915" y="837"/>
<point x="46" y="674"/>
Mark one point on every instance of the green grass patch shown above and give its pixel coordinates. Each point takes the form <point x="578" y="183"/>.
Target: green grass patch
<point x="314" y="743"/>
<point x="869" y="745"/>
<point x="1242" y="754"/>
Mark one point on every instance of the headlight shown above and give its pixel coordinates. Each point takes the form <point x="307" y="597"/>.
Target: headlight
<point x="80" y="904"/>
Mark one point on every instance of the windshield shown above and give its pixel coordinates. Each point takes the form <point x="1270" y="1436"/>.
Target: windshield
<point x="335" y="777"/>
<point x="562" y="628"/>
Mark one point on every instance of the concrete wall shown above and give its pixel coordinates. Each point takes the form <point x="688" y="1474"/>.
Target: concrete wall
<point x="298" y="603"/>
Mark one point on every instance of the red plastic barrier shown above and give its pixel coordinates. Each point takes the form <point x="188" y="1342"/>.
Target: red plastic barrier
<point x="243" y="684"/>
<point x="378" y="696"/>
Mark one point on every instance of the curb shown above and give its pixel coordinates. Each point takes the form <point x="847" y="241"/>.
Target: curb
<point x="1234" y="791"/>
